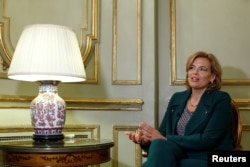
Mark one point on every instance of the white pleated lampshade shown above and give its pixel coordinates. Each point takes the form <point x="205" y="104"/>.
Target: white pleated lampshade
<point x="47" y="52"/>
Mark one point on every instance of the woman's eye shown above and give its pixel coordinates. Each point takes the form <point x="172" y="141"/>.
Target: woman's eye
<point x="191" y="67"/>
<point x="199" y="68"/>
<point x="203" y="69"/>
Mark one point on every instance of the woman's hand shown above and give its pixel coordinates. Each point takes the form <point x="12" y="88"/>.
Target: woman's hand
<point x="148" y="133"/>
<point x="145" y="134"/>
<point x="136" y="137"/>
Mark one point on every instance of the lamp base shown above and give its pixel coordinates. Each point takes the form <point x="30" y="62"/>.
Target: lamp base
<point x="48" y="112"/>
<point x="47" y="138"/>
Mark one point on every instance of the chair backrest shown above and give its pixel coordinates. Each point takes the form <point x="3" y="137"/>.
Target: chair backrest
<point x="236" y="127"/>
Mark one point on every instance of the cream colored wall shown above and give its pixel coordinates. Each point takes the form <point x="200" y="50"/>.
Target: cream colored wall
<point x="150" y="82"/>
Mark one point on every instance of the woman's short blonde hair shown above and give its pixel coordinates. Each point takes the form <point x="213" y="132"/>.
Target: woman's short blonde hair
<point x="215" y="69"/>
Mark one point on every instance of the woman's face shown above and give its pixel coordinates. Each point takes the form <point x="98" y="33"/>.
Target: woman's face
<point x="199" y="73"/>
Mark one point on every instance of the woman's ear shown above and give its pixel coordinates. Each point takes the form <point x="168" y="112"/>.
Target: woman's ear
<point x="213" y="78"/>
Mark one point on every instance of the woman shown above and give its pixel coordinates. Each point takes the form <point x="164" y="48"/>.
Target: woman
<point x="197" y="120"/>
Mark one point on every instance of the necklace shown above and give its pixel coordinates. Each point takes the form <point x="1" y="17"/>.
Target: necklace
<point x="192" y="104"/>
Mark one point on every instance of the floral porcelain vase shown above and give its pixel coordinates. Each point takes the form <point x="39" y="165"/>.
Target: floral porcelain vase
<point x="48" y="113"/>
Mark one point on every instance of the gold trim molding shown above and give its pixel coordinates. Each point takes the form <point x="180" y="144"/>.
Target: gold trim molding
<point x="123" y="128"/>
<point x="243" y="104"/>
<point x="12" y="101"/>
<point x="139" y="66"/>
<point x="174" y="79"/>
<point x="246" y="127"/>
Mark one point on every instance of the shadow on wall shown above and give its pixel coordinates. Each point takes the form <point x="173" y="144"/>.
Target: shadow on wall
<point x="238" y="90"/>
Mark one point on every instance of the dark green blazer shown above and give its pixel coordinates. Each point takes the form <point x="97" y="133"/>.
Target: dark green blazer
<point x="209" y="126"/>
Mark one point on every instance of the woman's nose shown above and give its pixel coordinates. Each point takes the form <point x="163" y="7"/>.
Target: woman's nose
<point x="195" y="70"/>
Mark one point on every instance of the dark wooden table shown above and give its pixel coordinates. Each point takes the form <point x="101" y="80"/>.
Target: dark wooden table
<point x="67" y="153"/>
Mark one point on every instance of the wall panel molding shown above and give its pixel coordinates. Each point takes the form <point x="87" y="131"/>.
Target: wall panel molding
<point x="122" y="128"/>
<point x="239" y="76"/>
<point x="129" y="27"/>
<point x="8" y="101"/>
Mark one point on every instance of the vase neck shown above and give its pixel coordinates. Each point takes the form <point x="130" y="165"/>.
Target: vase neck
<point x="48" y="86"/>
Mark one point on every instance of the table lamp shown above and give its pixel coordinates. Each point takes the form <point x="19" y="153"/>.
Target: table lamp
<point x="47" y="54"/>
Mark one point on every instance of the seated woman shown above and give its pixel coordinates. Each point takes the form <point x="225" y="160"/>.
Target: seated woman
<point x="197" y="120"/>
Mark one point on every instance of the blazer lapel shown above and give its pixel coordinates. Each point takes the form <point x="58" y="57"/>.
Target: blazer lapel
<point x="177" y="109"/>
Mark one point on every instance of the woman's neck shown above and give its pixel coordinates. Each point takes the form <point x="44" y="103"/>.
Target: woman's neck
<point x="197" y="93"/>
<point x="195" y="97"/>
